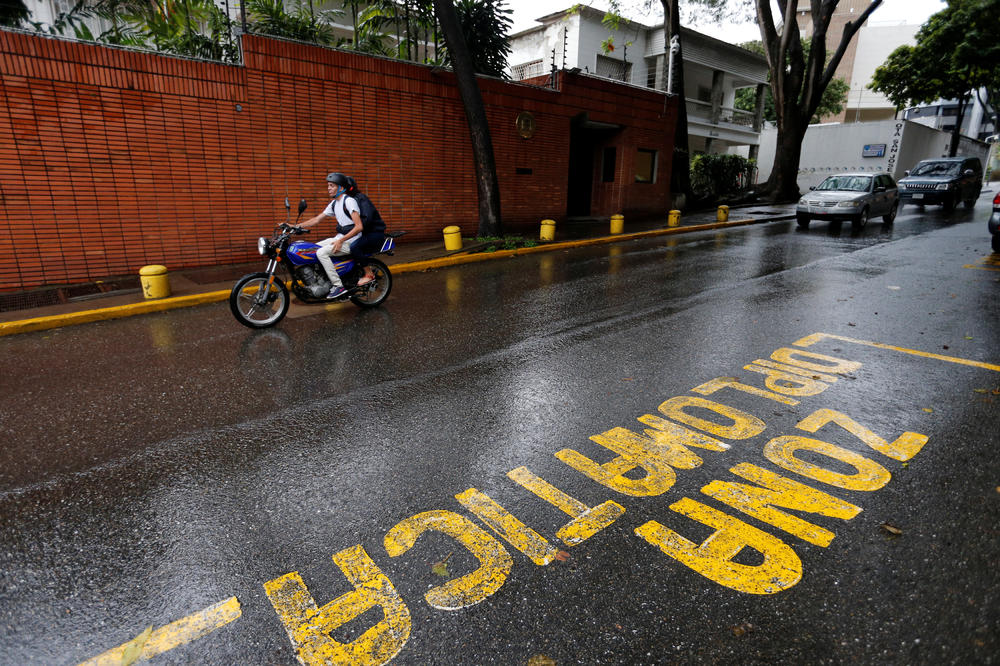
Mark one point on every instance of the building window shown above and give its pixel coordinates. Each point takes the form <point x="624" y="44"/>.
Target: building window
<point x="609" y="68"/>
<point x="608" y="165"/>
<point x="527" y="70"/>
<point x="645" y="166"/>
<point x="651" y="67"/>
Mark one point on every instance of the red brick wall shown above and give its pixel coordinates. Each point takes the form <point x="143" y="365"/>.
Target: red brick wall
<point x="112" y="159"/>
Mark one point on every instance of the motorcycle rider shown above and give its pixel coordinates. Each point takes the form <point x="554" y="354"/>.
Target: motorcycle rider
<point x="347" y="213"/>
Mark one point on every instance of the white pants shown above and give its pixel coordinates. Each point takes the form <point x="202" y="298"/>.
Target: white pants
<point x="324" y="253"/>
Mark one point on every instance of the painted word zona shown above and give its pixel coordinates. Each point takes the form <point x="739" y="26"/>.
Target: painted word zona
<point x="647" y="460"/>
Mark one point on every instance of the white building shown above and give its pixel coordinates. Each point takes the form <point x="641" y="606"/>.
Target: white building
<point x="713" y="70"/>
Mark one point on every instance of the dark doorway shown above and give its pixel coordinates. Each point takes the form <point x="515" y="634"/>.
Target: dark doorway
<point x="586" y="138"/>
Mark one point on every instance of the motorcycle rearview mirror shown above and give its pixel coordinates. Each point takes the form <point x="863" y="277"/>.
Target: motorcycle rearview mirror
<point x="288" y="211"/>
<point x="302" y="208"/>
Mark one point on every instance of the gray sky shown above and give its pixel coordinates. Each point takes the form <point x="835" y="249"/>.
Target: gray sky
<point x="895" y="11"/>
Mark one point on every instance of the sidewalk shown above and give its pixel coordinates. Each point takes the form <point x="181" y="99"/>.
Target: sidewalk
<point x="123" y="297"/>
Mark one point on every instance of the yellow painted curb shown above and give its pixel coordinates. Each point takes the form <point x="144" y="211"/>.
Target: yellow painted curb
<point x="160" y="305"/>
<point x="102" y="314"/>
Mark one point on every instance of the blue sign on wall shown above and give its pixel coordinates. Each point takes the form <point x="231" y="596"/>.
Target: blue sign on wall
<point x="873" y="150"/>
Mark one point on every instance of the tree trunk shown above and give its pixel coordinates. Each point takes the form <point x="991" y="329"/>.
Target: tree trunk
<point x="782" y="184"/>
<point x="475" y="114"/>
<point x="797" y="82"/>
<point x="680" y="169"/>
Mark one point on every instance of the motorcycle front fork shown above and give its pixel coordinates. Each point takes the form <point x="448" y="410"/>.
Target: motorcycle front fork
<point x="271" y="270"/>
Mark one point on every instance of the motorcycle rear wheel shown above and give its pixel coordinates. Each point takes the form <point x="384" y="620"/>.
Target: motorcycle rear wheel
<point x="372" y="294"/>
<point x="255" y="309"/>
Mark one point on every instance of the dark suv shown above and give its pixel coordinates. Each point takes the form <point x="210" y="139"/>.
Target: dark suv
<point x="944" y="181"/>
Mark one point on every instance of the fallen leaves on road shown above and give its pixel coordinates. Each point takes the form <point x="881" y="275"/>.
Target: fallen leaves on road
<point x="133" y="649"/>
<point x="562" y="555"/>
<point x="441" y="568"/>
<point x="541" y="660"/>
<point x="928" y="410"/>
<point x="891" y="529"/>
<point x="742" y="629"/>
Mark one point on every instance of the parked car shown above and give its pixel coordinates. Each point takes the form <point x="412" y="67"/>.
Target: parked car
<point x="850" y="196"/>
<point x="994" y="223"/>
<point x="943" y="181"/>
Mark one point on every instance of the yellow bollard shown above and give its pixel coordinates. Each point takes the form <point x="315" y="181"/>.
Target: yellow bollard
<point x="548" y="231"/>
<point x="617" y="224"/>
<point x="452" y="238"/>
<point x="154" y="281"/>
<point x="722" y="215"/>
<point x="675" y="218"/>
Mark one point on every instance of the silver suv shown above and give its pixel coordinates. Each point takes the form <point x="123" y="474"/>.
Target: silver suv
<point x="943" y="181"/>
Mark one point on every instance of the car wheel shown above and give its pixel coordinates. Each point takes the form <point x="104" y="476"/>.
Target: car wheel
<point x="996" y="242"/>
<point x="970" y="203"/>
<point x="802" y="220"/>
<point x="861" y="220"/>
<point x="891" y="215"/>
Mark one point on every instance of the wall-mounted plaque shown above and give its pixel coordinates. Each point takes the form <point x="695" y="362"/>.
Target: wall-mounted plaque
<point x="525" y="124"/>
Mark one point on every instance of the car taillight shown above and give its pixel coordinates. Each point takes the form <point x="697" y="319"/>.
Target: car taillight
<point x="996" y="199"/>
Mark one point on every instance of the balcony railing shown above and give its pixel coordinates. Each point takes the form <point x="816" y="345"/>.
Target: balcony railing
<point x="728" y="116"/>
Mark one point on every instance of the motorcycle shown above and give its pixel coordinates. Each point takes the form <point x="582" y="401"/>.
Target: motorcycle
<point x="260" y="300"/>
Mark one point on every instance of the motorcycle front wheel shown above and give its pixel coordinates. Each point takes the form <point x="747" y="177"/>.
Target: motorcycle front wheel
<point x="376" y="291"/>
<point x="256" y="306"/>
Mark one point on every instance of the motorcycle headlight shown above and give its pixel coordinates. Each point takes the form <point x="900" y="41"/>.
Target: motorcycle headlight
<point x="262" y="245"/>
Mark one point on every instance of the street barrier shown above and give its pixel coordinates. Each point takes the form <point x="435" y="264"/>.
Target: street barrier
<point x="452" y="238"/>
<point x="548" y="230"/>
<point x="617" y="224"/>
<point x="155" y="283"/>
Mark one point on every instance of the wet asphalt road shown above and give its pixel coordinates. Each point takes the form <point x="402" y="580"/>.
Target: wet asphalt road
<point x="157" y="465"/>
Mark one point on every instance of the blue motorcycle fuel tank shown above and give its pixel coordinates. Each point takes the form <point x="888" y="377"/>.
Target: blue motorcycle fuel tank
<point x="301" y="253"/>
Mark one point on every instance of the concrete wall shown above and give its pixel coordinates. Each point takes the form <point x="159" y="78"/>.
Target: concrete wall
<point x="112" y="159"/>
<point x="838" y="148"/>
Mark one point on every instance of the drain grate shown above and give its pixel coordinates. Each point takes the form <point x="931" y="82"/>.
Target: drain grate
<point x="39" y="298"/>
<point x="27" y="300"/>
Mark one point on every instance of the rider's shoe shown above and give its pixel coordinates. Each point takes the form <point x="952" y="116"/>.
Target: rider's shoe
<point x="336" y="293"/>
<point x="365" y="279"/>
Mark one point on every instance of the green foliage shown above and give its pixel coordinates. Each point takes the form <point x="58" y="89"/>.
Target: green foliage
<point x="719" y="175"/>
<point x="270" y="17"/>
<point x="831" y="103"/>
<point x="405" y="29"/>
<point x="13" y="13"/>
<point x="70" y="21"/>
<point x="494" y="243"/>
<point x="486" y="24"/>
<point x="193" y="28"/>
